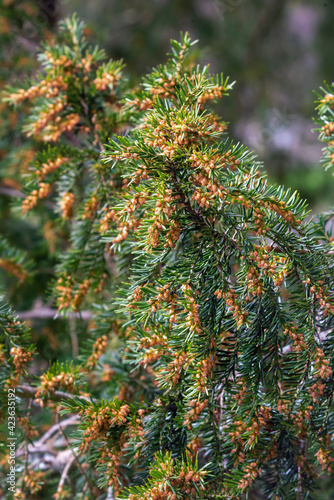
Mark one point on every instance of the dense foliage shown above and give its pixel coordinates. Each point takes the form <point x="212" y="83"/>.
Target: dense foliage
<point x="207" y="371"/>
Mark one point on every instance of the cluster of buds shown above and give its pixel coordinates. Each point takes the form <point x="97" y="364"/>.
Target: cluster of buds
<point x="124" y="228"/>
<point x="153" y="235"/>
<point x="136" y="296"/>
<point x="216" y="92"/>
<point x="100" y="421"/>
<point x="31" y="201"/>
<point x="52" y="132"/>
<point x="203" y="198"/>
<point x="62" y="60"/>
<point x="259" y="211"/>
<point x="101" y="283"/>
<point x="173" y="311"/>
<point x="322" y="365"/>
<point x="21" y="94"/>
<point x="165" y="295"/>
<point x="297" y="338"/>
<point x="86" y="64"/>
<point x="241" y="393"/>
<point x="66" y="205"/>
<point x="173" y="234"/>
<point x="106" y="81"/>
<point x="99" y="347"/>
<point x="65" y="289"/>
<point x="231" y="302"/>
<point x="325" y="302"/>
<point x="203" y="161"/>
<point x="14" y="268"/>
<point x="165" y="204"/>
<point x="152" y="341"/>
<point x="181" y="362"/>
<point x="192" y="320"/>
<point x="159" y="492"/>
<point x="325" y="460"/>
<point x="164" y="210"/>
<point x="282" y="264"/>
<point x="25" y="424"/>
<point x="136" y="202"/>
<point x="140" y="174"/>
<point x="194" y="446"/>
<point x="317" y="390"/>
<point x="241" y="428"/>
<point x="151" y="355"/>
<point x="253" y="283"/>
<point x="50" y="166"/>
<point x="251" y="472"/>
<point x="12" y="327"/>
<point x="128" y="154"/>
<point x="254" y="430"/>
<point x="80" y="294"/>
<point x="2" y="354"/>
<point x="328" y="128"/>
<point x="259" y="223"/>
<point x="264" y="260"/>
<point x="136" y="429"/>
<point x="143" y="104"/>
<point x="197" y="407"/>
<point x="90" y="208"/>
<point x="170" y="136"/>
<point x="205" y="372"/>
<point x="300" y="419"/>
<point x="49" y="384"/>
<point x="175" y="483"/>
<point x="165" y="88"/>
<point x="230" y="161"/>
<point x="264" y="414"/>
<point x="189" y="476"/>
<point x="328" y="98"/>
<point x="108" y="217"/>
<point x="46" y="117"/>
<point x="111" y="459"/>
<point x="49" y="88"/>
<point x="206" y="164"/>
<point x="32" y="482"/>
<point x="20" y="358"/>
<point x="280" y="208"/>
<point x="283" y="406"/>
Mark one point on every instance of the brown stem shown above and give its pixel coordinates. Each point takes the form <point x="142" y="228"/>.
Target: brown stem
<point x="48" y="312"/>
<point x="74" y="337"/>
<point x="75" y="456"/>
<point x="64" y="475"/>
<point x="29" y="391"/>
